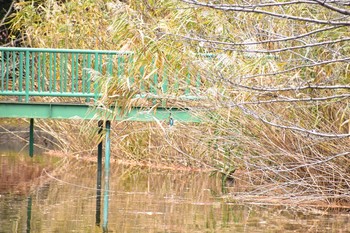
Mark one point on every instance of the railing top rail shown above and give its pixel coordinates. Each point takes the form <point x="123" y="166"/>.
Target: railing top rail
<point x="53" y="50"/>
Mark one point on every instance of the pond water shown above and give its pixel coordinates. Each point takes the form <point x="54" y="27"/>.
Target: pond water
<point x="140" y="200"/>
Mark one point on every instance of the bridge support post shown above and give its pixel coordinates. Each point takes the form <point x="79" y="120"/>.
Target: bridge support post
<point x="31" y="138"/>
<point x="99" y="175"/>
<point x="106" y="188"/>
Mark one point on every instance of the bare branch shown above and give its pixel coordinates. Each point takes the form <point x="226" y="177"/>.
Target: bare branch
<point x="7" y="13"/>
<point x="290" y="48"/>
<point x="298" y="88"/>
<point x="293" y="128"/>
<point x="255" y="42"/>
<point x="295" y="100"/>
<point x="333" y="8"/>
<point x="268" y="13"/>
<point x="347" y="59"/>
<point x="316" y="162"/>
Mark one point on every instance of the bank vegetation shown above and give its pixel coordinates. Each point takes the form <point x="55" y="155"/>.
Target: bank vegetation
<point x="276" y="87"/>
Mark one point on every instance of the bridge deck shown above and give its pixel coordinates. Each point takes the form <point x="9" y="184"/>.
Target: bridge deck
<point x="67" y="83"/>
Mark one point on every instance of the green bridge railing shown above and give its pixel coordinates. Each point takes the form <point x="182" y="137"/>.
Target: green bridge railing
<point x="30" y="72"/>
<point x="27" y="72"/>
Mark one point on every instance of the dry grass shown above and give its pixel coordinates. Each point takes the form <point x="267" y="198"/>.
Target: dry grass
<point x="258" y="119"/>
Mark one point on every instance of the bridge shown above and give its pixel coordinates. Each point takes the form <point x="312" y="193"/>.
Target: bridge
<point x="74" y="84"/>
<point x="38" y="83"/>
<point x="66" y="84"/>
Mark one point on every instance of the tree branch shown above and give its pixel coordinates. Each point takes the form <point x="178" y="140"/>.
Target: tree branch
<point x="255" y="42"/>
<point x="7" y="13"/>
<point x="295" y="100"/>
<point x="268" y="13"/>
<point x="293" y="128"/>
<point x="332" y="8"/>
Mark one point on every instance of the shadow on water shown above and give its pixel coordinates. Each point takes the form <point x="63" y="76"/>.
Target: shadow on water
<point x="142" y="200"/>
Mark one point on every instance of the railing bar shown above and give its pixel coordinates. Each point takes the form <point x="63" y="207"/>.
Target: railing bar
<point x="54" y="67"/>
<point x="98" y="65"/>
<point x="32" y="78"/>
<point x="13" y="71"/>
<point x="61" y="72"/>
<point x="131" y="68"/>
<point x="165" y="80"/>
<point x="188" y="83"/>
<point x="83" y="73"/>
<point x="142" y="84"/>
<point x="77" y="72"/>
<point x="56" y="94"/>
<point x="65" y="74"/>
<point x="153" y="88"/>
<point x="43" y="80"/>
<point x="21" y="73"/>
<point x="7" y="70"/>
<point x="49" y="50"/>
<point x="50" y="72"/>
<point x="110" y="65"/>
<point x="27" y="74"/>
<point x="165" y="83"/>
<point x="120" y="67"/>
<point x="176" y="84"/>
<point x="39" y="72"/>
<point x="88" y="81"/>
<point x="155" y="83"/>
<point x="198" y="83"/>
<point x="2" y="70"/>
<point x="73" y="73"/>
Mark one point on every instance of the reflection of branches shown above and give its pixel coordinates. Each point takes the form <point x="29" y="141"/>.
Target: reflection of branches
<point x="255" y="9"/>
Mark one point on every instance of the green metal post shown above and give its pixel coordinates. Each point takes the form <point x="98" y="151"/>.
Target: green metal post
<point x="31" y="138"/>
<point x="99" y="175"/>
<point x="106" y="189"/>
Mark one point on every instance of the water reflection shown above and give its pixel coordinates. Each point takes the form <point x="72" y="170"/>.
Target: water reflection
<point x="29" y="213"/>
<point x="146" y="200"/>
